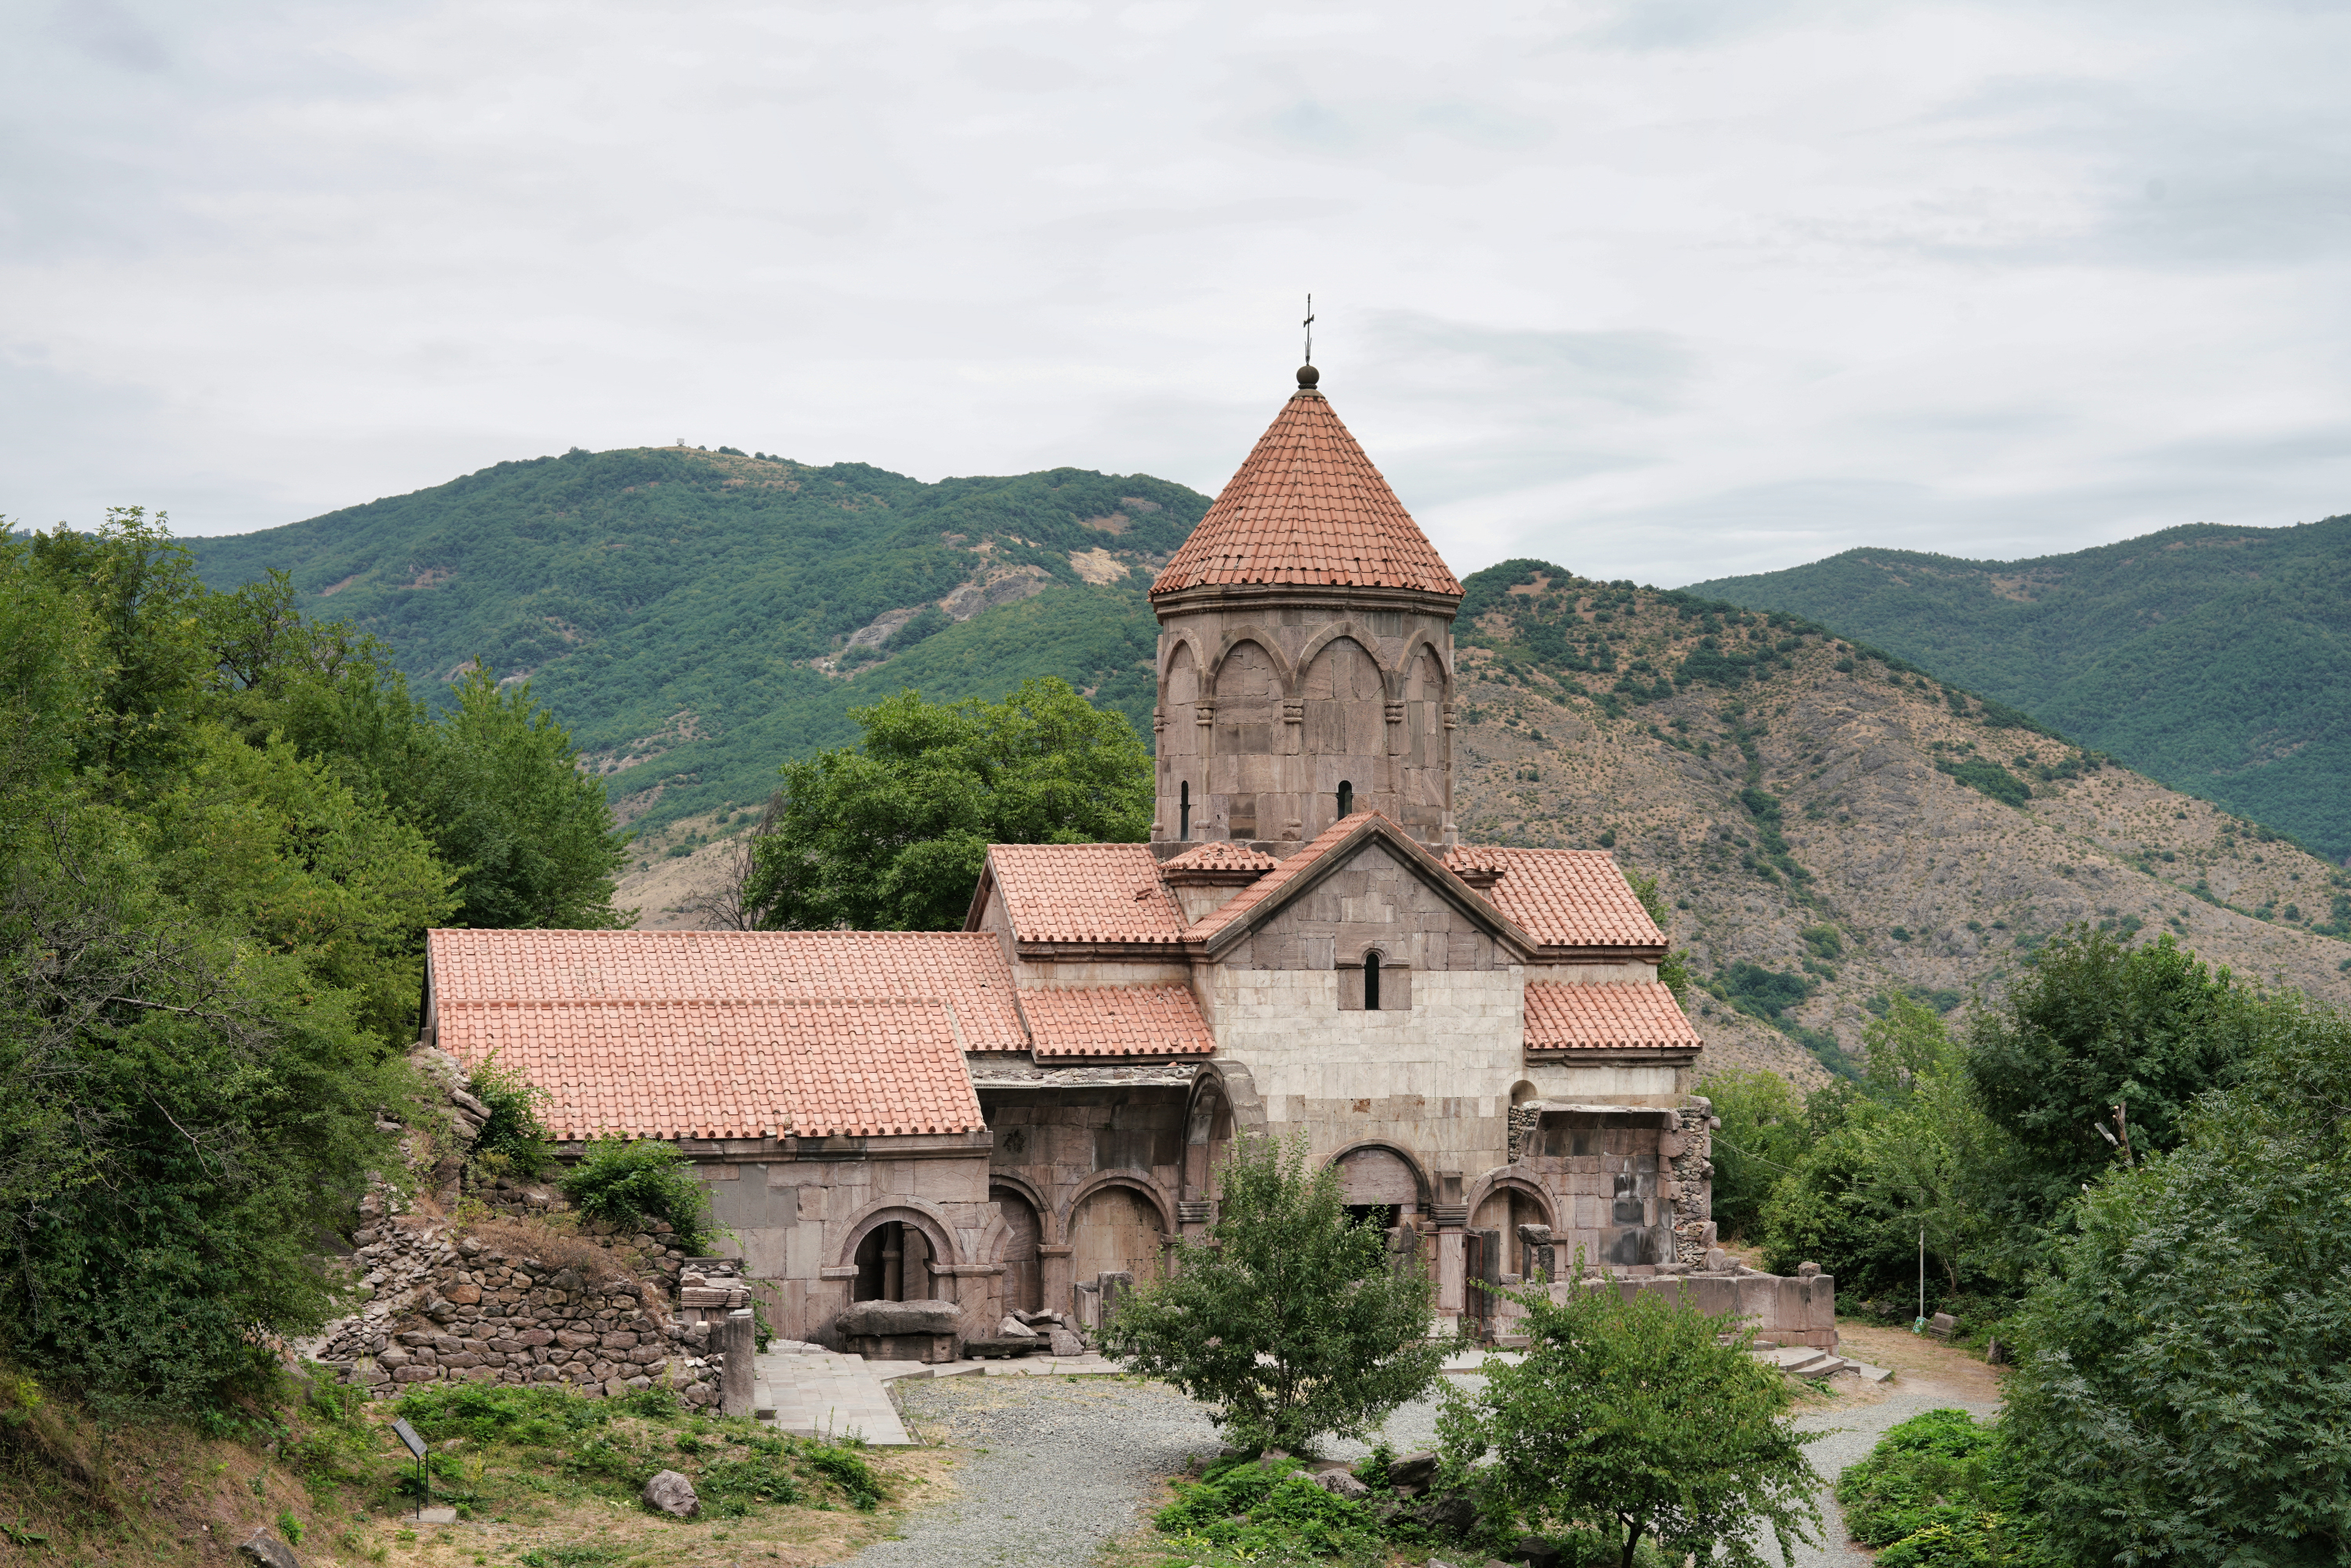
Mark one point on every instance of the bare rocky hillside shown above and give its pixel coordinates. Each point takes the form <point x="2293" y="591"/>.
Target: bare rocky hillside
<point x="1822" y="815"/>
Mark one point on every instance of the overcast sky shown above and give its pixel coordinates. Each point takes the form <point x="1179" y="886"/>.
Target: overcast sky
<point x="1660" y="290"/>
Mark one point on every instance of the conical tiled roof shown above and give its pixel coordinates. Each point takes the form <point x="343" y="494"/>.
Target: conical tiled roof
<point x="1308" y="507"/>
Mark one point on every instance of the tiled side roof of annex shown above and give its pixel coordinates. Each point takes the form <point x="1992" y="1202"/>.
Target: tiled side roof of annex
<point x="1562" y="898"/>
<point x="1308" y="508"/>
<point x="730" y="1033"/>
<point x="1611" y="1015"/>
<point x="728" y="1069"/>
<point x="1084" y="893"/>
<point x="1121" y="1020"/>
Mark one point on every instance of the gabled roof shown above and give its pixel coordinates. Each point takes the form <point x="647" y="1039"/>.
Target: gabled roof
<point x="1308" y="507"/>
<point x="1615" y="1015"/>
<point x="1124" y="1020"/>
<point x="730" y="1033"/>
<point x="1336" y="845"/>
<point x="727" y="1070"/>
<point x="1081" y="893"/>
<point x="1563" y="898"/>
<point x="1219" y="863"/>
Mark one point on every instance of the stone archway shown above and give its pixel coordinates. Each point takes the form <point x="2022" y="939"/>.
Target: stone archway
<point x="1024" y="1232"/>
<point x="1115" y="1228"/>
<point x="1379" y="1183"/>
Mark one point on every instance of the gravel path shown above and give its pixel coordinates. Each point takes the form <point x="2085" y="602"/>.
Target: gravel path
<point x="1063" y="1466"/>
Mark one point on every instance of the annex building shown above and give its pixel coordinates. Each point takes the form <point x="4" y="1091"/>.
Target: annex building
<point x="1004" y="1115"/>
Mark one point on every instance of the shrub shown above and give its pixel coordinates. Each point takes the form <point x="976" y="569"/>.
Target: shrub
<point x="630" y="1181"/>
<point x="1290" y="1321"/>
<point x="512" y="1142"/>
<point x="1639" y="1419"/>
<point x="1269" y="1507"/>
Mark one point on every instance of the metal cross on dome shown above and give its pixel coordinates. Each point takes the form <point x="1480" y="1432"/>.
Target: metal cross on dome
<point x="1308" y="325"/>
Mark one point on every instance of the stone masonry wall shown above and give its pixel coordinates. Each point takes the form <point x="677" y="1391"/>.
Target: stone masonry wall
<point x="476" y="1311"/>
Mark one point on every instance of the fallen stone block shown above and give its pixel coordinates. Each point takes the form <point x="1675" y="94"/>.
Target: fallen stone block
<point x="266" y="1550"/>
<point x="881" y="1320"/>
<point x="671" y="1493"/>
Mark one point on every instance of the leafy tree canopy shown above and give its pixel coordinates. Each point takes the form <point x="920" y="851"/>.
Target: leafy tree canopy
<point x="1289" y="1321"/>
<point x="2095" y="1024"/>
<point x="889" y="834"/>
<point x="2187" y="1369"/>
<point x="224" y="832"/>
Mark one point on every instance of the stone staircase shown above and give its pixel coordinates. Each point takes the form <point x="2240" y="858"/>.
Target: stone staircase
<point x="1804" y="1361"/>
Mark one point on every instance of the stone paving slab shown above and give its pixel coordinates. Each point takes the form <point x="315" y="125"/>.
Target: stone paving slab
<point x="827" y="1395"/>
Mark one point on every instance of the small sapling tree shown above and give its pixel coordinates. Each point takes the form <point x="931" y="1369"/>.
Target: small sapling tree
<point x="1635" y="1420"/>
<point x="1290" y="1321"/>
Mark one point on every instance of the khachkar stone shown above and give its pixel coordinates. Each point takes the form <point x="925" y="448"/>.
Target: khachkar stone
<point x="1305" y="650"/>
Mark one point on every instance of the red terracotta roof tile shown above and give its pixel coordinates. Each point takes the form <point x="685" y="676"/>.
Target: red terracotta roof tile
<point x="731" y="1033"/>
<point x="1085" y="892"/>
<point x="1308" y="507"/>
<point x="1563" y="898"/>
<point x="1221" y="855"/>
<point x="727" y="1070"/>
<point x="1281" y="876"/>
<point x="1126" y="1020"/>
<point x="1616" y="1014"/>
<point x="965" y="969"/>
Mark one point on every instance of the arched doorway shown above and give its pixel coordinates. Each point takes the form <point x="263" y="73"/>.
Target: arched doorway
<point x="1115" y="1230"/>
<point x="1505" y="1210"/>
<point x="893" y="1264"/>
<point x="1378" y="1184"/>
<point x="1024" y="1280"/>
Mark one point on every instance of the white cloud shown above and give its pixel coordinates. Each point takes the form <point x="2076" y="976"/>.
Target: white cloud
<point x="1657" y="290"/>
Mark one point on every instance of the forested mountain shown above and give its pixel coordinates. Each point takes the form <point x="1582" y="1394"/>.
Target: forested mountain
<point x="697" y="617"/>
<point x="2216" y="659"/>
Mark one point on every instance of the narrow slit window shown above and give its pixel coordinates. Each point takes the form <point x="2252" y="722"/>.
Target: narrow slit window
<point x="1184" y="810"/>
<point x="1346" y="798"/>
<point x="1371" y="982"/>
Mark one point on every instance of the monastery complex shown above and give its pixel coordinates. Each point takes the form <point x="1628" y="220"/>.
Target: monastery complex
<point x="1012" y="1115"/>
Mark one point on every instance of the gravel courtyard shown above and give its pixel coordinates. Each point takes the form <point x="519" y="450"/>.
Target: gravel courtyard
<point x="1057" y="1467"/>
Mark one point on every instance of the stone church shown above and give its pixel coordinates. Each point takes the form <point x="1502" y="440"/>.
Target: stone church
<point x="1005" y="1116"/>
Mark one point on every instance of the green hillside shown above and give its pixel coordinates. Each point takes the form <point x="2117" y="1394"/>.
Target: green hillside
<point x="687" y="613"/>
<point x="2215" y="659"/>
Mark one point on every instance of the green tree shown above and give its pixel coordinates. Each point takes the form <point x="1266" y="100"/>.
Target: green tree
<point x="1640" y="1417"/>
<point x="1762" y="1138"/>
<point x="889" y="834"/>
<point x="532" y="835"/>
<point x="2185" y="1397"/>
<point x="1289" y="1321"/>
<point x="2094" y="1025"/>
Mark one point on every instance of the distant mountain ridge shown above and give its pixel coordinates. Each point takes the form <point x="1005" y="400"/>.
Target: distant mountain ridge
<point x="696" y="617"/>
<point x="2217" y="659"/>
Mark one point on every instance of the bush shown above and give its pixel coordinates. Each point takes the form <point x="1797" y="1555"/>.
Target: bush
<point x="1290" y="1321"/>
<point x="1934" y="1494"/>
<point x="1269" y="1507"/>
<point x="512" y="1142"/>
<point x="632" y="1181"/>
<point x="1640" y="1419"/>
